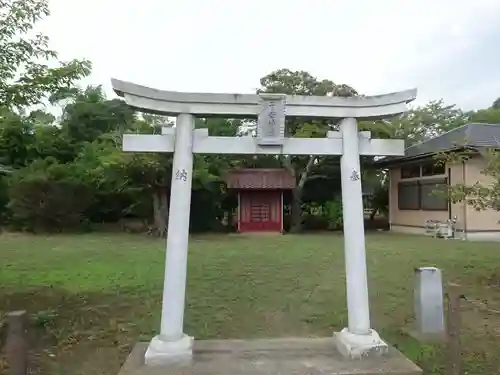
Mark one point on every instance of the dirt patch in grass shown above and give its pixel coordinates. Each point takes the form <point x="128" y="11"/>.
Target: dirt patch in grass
<point x="493" y="280"/>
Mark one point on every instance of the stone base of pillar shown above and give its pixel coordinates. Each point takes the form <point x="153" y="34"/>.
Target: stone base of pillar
<point x="355" y="346"/>
<point x="161" y="352"/>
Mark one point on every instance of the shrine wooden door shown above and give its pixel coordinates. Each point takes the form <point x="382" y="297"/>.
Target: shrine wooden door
<point x="260" y="211"/>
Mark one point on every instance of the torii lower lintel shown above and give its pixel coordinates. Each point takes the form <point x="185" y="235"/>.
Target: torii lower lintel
<point x="204" y="144"/>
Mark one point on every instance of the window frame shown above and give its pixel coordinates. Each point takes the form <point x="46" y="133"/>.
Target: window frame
<point x="419" y="184"/>
<point x="410" y="167"/>
<point x="435" y="169"/>
<point x="435" y="181"/>
<point x="411" y="184"/>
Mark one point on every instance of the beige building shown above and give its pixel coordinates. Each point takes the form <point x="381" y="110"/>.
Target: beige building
<point x="415" y="177"/>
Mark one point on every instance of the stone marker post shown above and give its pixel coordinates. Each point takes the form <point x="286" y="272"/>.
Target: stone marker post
<point x="429" y="312"/>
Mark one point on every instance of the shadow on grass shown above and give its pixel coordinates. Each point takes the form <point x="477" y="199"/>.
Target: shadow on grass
<point x="86" y="333"/>
<point x="92" y="333"/>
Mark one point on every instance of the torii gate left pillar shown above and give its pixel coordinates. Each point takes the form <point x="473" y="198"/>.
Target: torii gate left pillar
<point x="358" y="339"/>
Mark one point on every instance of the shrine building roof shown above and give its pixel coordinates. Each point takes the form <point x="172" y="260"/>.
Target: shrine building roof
<point x="260" y="178"/>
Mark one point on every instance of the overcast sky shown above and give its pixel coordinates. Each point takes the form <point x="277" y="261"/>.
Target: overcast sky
<point x="448" y="49"/>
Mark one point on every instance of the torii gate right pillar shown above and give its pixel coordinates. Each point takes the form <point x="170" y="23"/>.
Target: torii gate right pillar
<point x="358" y="339"/>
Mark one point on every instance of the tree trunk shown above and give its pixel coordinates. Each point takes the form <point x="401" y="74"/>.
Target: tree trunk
<point x="296" y="219"/>
<point x="160" y="211"/>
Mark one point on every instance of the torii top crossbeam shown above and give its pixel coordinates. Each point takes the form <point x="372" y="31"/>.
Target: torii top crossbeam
<point x="249" y="105"/>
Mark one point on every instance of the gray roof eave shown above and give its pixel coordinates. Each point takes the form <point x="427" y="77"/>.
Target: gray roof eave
<point x="391" y="161"/>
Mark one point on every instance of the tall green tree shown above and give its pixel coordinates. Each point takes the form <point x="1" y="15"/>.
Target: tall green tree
<point x="423" y="122"/>
<point x="89" y="114"/>
<point x="496" y="103"/>
<point x="16" y="139"/>
<point x="290" y="82"/>
<point x="487" y="116"/>
<point x="25" y="76"/>
<point x="151" y="173"/>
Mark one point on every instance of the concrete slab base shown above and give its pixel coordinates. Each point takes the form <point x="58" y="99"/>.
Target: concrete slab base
<point x="290" y="356"/>
<point x="160" y="352"/>
<point x="360" y="346"/>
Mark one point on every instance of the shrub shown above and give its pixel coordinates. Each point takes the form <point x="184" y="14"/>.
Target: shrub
<point x="333" y="211"/>
<point x="48" y="196"/>
<point x="314" y="222"/>
<point x="4" y="199"/>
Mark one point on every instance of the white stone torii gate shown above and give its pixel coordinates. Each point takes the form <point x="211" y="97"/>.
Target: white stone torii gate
<point x="358" y="339"/>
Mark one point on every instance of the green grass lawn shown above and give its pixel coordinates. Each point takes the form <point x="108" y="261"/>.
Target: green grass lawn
<point x="91" y="297"/>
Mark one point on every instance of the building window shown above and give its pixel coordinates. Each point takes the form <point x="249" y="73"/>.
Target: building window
<point x="427" y="195"/>
<point x="408" y="196"/>
<point x="433" y="168"/>
<point x="433" y="194"/>
<point x="410" y="171"/>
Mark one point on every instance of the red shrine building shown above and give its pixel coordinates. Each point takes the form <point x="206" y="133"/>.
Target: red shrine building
<point x="260" y="198"/>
